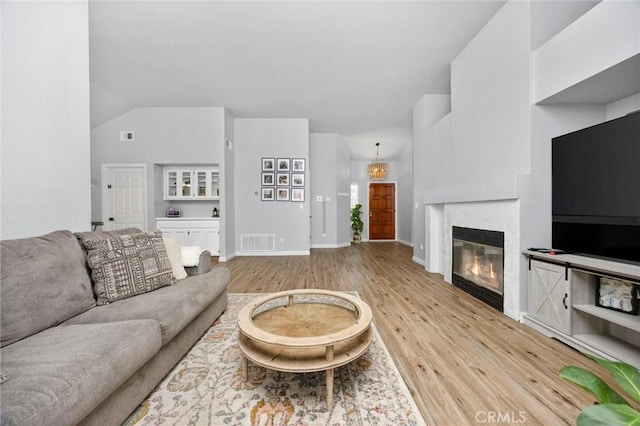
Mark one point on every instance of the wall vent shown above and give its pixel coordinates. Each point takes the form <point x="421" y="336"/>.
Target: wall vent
<point x="257" y="242"/>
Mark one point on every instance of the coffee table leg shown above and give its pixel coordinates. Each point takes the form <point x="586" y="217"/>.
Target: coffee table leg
<point x="329" y="389"/>
<point x="245" y="368"/>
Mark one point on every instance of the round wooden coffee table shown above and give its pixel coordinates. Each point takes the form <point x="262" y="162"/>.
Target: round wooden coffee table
<point x="306" y="330"/>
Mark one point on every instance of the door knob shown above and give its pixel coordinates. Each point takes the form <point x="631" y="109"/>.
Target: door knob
<point x="111" y="219"/>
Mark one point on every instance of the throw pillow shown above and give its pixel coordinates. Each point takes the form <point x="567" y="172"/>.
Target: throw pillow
<point x="175" y="257"/>
<point x="128" y="265"/>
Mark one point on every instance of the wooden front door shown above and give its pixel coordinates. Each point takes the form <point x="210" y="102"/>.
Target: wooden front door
<point x="382" y="211"/>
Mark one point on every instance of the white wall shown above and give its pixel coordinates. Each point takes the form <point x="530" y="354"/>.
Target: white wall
<point x="434" y="238"/>
<point x="490" y="99"/>
<point x="288" y="221"/>
<point x="437" y="146"/>
<point x="429" y="146"/>
<point x="330" y="179"/>
<point x="604" y="36"/>
<point x="162" y="136"/>
<point x="45" y="118"/>
<point x="343" y="222"/>
<point x="623" y="106"/>
<point x="404" y="196"/>
<point x="227" y="203"/>
<point x="323" y="150"/>
<point x="548" y="18"/>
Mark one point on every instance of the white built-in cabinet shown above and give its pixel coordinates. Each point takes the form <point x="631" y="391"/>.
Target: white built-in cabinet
<point x="193" y="232"/>
<point x="191" y="183"/>
<point x="561" y="303"/>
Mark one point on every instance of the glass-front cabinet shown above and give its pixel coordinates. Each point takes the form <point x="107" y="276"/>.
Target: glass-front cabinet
<point x="170" y="184"/>
<point x="186" y="183"/>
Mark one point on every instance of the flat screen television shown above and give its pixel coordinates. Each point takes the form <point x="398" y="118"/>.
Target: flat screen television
<point x="596" y="190"/>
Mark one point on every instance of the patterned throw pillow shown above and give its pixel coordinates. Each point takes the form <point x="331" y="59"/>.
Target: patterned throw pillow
<point x="128" y="265"/>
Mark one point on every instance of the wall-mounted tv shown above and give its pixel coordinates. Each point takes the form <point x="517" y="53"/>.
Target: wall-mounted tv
<point x="596" y="190"/>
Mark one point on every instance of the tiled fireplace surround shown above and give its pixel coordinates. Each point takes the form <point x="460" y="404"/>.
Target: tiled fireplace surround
<point x="495" y="215"/>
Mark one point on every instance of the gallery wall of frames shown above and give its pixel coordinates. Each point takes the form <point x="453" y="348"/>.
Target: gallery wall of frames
<point x="283" y="179"/>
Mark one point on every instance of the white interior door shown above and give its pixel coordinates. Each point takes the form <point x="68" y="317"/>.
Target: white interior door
<point x="124" y="194"/>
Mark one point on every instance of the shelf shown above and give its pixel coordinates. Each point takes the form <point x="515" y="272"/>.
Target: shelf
<point x="592" y="264"/>
<point x="621" y="350"/>
<point x="619" y="318"/>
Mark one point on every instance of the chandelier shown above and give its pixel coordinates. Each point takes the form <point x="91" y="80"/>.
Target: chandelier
<point x="377" y="169"/>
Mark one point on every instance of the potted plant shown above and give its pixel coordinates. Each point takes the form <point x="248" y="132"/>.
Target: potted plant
<point x="356" y="223"/>
<point x="611" y="408"/>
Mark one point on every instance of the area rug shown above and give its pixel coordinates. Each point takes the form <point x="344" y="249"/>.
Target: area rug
<point x="206" y="388"/>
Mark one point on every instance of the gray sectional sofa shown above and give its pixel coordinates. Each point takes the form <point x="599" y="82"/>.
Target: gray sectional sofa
<point x="66" y="361"/>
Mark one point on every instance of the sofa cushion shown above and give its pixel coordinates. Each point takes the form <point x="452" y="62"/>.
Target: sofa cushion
<point x="175" y="257"/>
<point x="127" y="265"/>
<point x="58" y="376"/>
<point x="44" y="281"/>
<point x="173" y="307"/>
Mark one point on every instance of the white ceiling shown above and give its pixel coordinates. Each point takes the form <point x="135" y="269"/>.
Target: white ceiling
<point x="352" y="68"/>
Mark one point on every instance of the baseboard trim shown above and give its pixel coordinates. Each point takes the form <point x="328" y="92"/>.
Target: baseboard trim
<point x="418" y="260"/>
<point x="275" y="253"/>
<point x="406" y="243"/>
<point x="340" y="245"/>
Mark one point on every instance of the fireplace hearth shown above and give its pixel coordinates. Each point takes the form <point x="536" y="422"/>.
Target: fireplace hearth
<point x="478" y="264"/>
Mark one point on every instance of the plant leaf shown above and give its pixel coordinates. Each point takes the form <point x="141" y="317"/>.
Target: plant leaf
<point x="591" y="383"/>
<point x="628" y="377"/>
<point x="609" y="415"/>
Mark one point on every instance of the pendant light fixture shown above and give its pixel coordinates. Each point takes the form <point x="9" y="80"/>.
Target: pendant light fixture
<point x="377" y="169"/>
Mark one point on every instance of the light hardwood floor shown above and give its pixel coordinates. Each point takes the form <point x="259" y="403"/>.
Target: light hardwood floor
<point x="464" y="362"/>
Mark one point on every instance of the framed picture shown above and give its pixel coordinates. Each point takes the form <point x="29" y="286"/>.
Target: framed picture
<point x="297" y="194"/>
<point x="268" y="194"/>
<point x="282" y="194"/>
<point x="268" y="179"/>
<point x="297" y="179"/>
<point x="284" y="164"/>
<point x="298" y="165"/>
<point x="268" y="164"/>
<point x="283" y="179"/>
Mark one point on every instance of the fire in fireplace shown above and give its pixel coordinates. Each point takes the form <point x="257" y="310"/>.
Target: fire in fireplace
<point x="478" y="264"/>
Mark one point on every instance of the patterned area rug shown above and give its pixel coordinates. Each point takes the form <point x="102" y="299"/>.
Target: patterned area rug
<point x="206" y="388"/>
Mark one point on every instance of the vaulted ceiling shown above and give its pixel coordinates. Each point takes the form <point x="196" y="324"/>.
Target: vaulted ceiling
<point x="353" y="68"/>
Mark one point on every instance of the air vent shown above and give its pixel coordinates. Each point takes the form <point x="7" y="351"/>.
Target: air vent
<point x="127" y="136"/>
<point x="256" y="243"/>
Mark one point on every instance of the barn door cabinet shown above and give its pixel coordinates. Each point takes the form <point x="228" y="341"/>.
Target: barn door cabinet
<point x="549" y="295"/>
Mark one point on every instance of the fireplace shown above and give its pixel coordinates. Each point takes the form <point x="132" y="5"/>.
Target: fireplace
<point x="478" y="264"/>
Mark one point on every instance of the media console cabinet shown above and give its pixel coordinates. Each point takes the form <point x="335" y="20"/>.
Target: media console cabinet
<point x="561" y="303"/>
